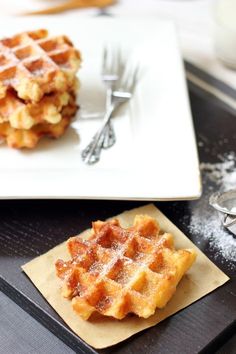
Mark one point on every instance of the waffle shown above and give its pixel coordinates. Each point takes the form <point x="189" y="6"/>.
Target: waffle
<point x="119" y="271"/>
<point x="22" y="138"/>
<point x="22" y="115"/>
<point x="34" y="64"/>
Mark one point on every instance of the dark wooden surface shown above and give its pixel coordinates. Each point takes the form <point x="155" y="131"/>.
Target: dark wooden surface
<point x="22" y="334"/>
<point x="29" y="228"/>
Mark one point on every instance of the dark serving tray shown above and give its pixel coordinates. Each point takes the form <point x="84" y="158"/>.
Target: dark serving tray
<point x="30" y="228"/>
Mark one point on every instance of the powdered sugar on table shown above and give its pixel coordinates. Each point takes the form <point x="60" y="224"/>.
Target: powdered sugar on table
<point x="205" y="222"/>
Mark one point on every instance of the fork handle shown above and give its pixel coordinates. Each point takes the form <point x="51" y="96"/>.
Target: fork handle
<point x="109" y="136"/>
<point x="109" y="133"/>
<point x="91" y="154"/>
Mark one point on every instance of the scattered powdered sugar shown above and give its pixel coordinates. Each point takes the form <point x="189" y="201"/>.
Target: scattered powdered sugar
<point x="205" y="222"/>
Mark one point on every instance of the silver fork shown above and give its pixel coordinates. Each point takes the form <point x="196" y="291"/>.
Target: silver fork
<point x="121" y="93"/>
<point x="112" y="67"/>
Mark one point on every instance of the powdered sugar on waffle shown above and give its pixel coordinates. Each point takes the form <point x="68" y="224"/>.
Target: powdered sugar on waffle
<point x="205" y="222"/>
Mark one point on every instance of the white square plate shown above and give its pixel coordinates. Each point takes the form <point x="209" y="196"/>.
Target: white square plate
<point x="155" y="155"/>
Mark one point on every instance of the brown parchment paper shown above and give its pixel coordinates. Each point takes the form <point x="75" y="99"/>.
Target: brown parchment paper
<point x="101" y="332"/>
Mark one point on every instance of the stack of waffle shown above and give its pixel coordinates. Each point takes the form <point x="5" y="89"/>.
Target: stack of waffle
<point x="37" y="87"/>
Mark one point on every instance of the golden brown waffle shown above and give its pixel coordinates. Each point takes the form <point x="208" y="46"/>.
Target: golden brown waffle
<point x="23" y="115"/>
<point x="22" y="138"/>
<point x="34" y="64"/>
<point x="119" y="271"/>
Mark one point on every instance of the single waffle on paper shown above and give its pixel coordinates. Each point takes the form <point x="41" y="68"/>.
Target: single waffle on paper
<point x="34" y="64"/>
<point x="118" y="271"/>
